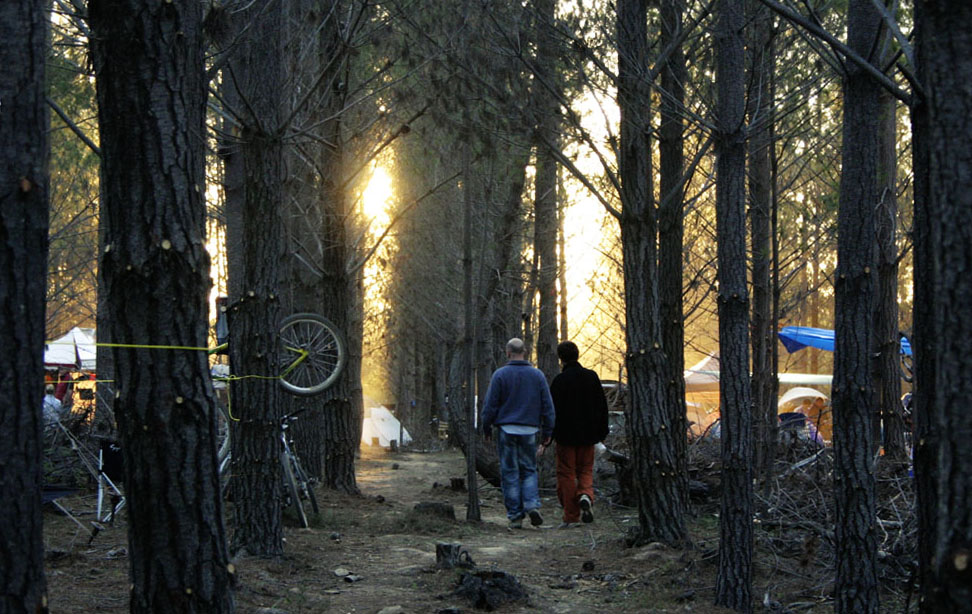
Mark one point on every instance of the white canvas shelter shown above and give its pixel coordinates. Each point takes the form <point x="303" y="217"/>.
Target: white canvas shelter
<point x="704" y="377"/>
<point x="381" y="426"/>
<point x="75" y="350"/>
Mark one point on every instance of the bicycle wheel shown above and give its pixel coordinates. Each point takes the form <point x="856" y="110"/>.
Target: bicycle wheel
<point x="306" y="487"/>
<point x="290" y="483"/>
<point x="224" y="457"/>
<point x="313" y="354"/>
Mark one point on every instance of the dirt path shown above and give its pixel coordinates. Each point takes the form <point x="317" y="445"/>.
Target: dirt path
<point x="389" y="550"/>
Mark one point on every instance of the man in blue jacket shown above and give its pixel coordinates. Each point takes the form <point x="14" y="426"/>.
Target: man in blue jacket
<point x="518" y="403"/>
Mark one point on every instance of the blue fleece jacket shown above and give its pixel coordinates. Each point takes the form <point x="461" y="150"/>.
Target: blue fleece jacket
<point x="518" y="394"/>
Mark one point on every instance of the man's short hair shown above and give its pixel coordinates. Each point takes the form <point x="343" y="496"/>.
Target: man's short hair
<point x="515" y="346"/>
<point x="49" y="389"/>
<point x="567" y="351"/>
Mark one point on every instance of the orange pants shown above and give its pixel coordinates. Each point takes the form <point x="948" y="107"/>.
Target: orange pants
<point x="575" y="477"/>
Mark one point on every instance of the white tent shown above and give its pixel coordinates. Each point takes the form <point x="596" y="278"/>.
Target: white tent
<point x="75" y="350"/>
<point x="382" y="427"/>
<point x="703" y="376"/>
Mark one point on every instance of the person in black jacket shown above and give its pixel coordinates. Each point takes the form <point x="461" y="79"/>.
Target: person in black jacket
<point x="581" y="422"/>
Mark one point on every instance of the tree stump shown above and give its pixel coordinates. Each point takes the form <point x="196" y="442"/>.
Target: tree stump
<point x="447" y="555"/>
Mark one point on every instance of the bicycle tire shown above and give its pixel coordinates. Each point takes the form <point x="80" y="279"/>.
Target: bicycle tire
<point x="224" y="455"/>
<point x="325" y="359"/>
<point x="292" y="490"/>
<point x="305" y="485"/>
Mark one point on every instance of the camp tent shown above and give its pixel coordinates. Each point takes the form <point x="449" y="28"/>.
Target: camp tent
<point x="75" y="350"/>
<point x="702" y="389"/>
<point x="381" y="427"/>
<point x="704" y="377"/>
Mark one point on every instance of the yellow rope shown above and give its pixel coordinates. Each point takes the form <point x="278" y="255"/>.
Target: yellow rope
<point x="231" y="378"/>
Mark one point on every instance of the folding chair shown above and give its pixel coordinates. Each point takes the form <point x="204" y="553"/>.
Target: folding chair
<point x="109" y="472"/>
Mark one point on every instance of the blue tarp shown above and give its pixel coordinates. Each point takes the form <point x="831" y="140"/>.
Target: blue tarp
<point x="798" y="337"/>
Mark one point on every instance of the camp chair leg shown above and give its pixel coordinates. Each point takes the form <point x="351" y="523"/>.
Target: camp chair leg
<point x="69" y="515"/>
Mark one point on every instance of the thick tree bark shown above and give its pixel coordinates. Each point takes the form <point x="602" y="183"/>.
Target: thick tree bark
<point x="24" y="205"/>
<point x="854" y="291"/>
<point x="661" y="480"/>
<point x="339" y="285"/>
<point x="304" y="217"/>
<point x="151" y="100"/>
<point x="734" y="580"/>
<point x="943" y="293"/>
<point x="670" y="211"/>
<point x="254" y="313"/>
<point x="547" y="110"/>
<point x="760" y="111"/>
<point x="888" y="427"/>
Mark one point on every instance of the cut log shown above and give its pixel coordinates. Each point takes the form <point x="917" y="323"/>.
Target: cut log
<point x="447" y="555"/>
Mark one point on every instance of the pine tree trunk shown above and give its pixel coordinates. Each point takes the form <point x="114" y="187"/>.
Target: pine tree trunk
<point x="254" y="313"/>
<point x="854" y="292"/>
<point x="24" y="202"/>
<point x="887" y="376"/>
<point x="671" y="229"/>
<point x="151" y="101"/>
<point x="661" y="482"/>
<point x="734" y="579"/>
<point x="340" y="286"/>
<point x="761" y="67"/>
<point x="468" y="340"/>
<point x="545" y="183"/>
<point x="943" y="293"/>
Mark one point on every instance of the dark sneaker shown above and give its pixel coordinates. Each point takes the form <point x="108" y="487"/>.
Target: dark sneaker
<point x="535" y="518"/>
<point x="587" y="514"/>
<point x="516" y="524"/>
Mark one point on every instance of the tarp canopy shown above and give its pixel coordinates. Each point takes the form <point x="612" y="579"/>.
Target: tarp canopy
<point x="381" y="426"/>
<point x="75" y="350"/>
<point x="704" y="377"/>
<point x="795" y="338"/>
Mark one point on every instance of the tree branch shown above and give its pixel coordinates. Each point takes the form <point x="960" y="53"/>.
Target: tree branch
<point x="798" y="19"/>
<point x="74" y="127"/>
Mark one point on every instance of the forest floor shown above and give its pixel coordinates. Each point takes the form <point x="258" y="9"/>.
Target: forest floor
<point x="374" y="553"/>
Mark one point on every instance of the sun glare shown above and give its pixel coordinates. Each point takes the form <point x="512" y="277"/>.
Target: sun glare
<point x="377" y="197"/>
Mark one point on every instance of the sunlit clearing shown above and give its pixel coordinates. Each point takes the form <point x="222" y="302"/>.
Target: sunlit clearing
<point x="377" y="197"/>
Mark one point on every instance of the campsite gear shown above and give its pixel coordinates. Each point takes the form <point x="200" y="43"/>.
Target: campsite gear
<point x="795" y="338"/>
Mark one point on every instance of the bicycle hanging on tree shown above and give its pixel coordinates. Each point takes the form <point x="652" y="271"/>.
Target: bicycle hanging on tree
<point x="313" y="356"/>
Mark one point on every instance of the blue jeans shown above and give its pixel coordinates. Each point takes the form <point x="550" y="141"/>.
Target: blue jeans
<point x="518" y="468"/>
